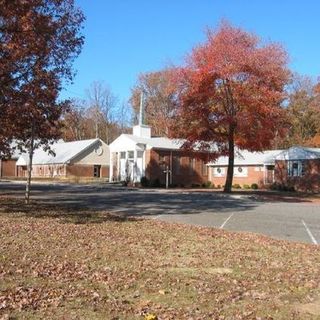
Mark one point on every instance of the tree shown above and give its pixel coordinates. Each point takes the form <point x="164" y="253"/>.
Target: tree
<point x="159" y="94"/>
<point x="98" y="116"/>
<point x="74" y="127"/>
<point x="303" y="111"/>
<point x="230" y="93"/>
<point x="102" y="104"/>
<point x="39" y="39"/>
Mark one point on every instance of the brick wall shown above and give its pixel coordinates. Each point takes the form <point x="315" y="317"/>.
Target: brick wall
<point x="253" y="176"/>
<point x="8" y="168"/>
<point x="56" y="171"/>
<point x="308" y="182"/>
<point x="77" y="170"/>
<point x="186" y="168"/>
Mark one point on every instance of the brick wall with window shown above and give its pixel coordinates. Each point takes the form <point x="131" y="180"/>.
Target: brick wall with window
<point x="303" y="175"/>
<point x="242" y="175"/>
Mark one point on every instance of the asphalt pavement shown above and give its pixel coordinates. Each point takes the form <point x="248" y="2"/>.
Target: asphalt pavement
<point x="294" y="220"/>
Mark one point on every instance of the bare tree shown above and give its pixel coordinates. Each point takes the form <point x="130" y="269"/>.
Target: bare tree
<point x="102" y="104"/>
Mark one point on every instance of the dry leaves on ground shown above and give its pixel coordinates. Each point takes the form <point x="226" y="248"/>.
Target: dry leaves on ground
<point x="54" y="264"/>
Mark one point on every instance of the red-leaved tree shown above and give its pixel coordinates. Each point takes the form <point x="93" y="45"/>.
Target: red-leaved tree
<point x="230" y="94"/>
<point x="39" y="40"/>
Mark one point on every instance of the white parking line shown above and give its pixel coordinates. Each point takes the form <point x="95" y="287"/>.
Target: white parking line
<point x="225" y="222"/>
<point x="309" y="233"/>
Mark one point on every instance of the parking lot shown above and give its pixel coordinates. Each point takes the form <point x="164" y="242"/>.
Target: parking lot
<point x="289" y="219"/>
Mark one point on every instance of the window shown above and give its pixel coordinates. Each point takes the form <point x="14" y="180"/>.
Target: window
<point x="218" y="172"/>
<point x="139" y="154"/>
<point x="99" y="151"/>
<point x="296" y="168"/>
<point x="240" y="171"/>
<point x="122" y="155"/>
<point x="130" y="154"/>
<point x="96" y="171"/>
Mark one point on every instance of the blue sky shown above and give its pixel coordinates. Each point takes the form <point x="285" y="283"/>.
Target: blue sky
<point x="127" y="37"/>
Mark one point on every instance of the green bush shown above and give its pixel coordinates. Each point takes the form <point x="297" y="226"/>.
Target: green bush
<point x="206" y="184"/>
<point x="195" y="185"/>
<point x="145" y="182"/>
<point x="254" y="186"/>
<point x="236" y="186"/>
<point x="246" y="186"/>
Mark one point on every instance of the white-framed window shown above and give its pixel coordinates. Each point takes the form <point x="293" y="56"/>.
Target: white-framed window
<point x="296" y="168"/>
<point x="219" y="171"/>
<point x="122" y="155"/>
<point x="130" y="154"/>
<point x="240" y="171"/>
<point x="139" y="154"/>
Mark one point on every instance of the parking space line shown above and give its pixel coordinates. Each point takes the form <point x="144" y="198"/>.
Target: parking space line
<point x="309" y="233"/>
<point x="225" y="222"/>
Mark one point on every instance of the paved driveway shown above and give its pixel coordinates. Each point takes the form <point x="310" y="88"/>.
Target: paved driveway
<point x="290" y="220"/>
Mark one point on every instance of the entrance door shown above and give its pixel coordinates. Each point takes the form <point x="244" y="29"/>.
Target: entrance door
<point x="97" y="171"/>
<point x="269" y="175"/>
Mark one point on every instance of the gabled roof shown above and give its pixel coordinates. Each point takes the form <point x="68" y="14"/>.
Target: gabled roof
<point x="157" y="142"/>
<point x="299" y="153"/>
<point x="64" y="152"/>
<point x="245" y="157"/>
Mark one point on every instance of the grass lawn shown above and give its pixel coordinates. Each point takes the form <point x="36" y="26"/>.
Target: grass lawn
<point x="57" y="263"/>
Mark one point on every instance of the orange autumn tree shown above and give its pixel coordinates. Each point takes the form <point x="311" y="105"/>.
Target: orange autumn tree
<point x="230" y="93"/>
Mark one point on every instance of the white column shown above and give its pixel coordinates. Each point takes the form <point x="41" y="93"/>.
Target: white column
<point x="134" y="169"/>
<point x="111" y="168"/>
<point x="118" y="166"/>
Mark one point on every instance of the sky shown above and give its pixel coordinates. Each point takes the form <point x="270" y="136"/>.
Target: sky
<point x="124" y="38"/>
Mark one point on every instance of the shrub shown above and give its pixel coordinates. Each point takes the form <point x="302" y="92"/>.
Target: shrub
<point x="254" y="186"/>
<point x="282" y="187"/>
<point x="156" y="183"/>
<point x="246" y="186"/>
<point x="206" y="184"/>
<point x="145" y="182"/>
<point x="274" y="186"/>
<point x="124" y="183"/>
<point x="195" y="185"/>
<point x="236" y="186"/>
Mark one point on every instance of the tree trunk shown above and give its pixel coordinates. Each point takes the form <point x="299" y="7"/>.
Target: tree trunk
<point x="31" y="150"/>
<point x="228" y="184"/>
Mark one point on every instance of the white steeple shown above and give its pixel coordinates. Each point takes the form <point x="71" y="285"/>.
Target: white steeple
<point x="141" y="130"/>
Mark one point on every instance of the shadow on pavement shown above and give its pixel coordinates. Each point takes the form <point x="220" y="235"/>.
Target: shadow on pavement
<point x="88" y="199"/>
